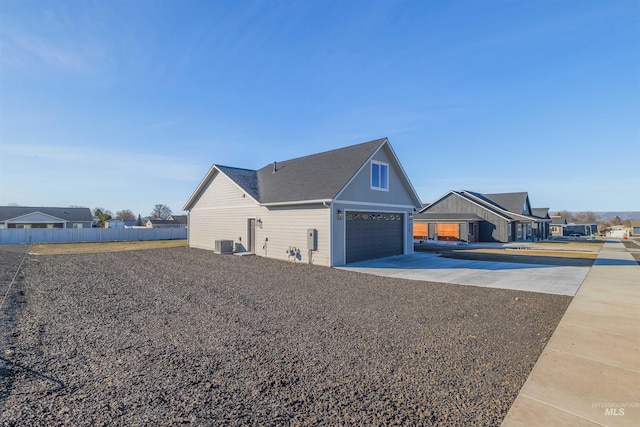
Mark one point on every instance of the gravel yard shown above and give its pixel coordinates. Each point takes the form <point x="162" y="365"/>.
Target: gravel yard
<point x="180" y="335"/>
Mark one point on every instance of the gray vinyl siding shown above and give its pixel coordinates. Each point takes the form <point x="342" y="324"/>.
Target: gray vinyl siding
<point x="359" y="189"/>
<point x="493" y="229"/>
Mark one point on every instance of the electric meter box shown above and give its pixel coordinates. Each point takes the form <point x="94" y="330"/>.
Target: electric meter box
<point x="312" y="239"/>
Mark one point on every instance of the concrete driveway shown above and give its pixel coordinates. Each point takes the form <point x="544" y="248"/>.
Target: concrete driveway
<point x="549" y="279"/>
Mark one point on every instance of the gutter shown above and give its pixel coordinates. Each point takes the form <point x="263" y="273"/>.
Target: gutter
<point x="299" y="202"/>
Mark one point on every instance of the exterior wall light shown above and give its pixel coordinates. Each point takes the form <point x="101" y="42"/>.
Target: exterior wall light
<point x="339" y="213"/>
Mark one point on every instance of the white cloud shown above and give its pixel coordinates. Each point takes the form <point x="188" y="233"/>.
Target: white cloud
<point x="107" y="161"/>
<point x="21" y="50"/>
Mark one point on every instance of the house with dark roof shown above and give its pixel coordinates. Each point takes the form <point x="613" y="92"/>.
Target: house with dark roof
<point x="182" y="220"/>
<point x="557" y="225"/>
<point x="330" y="208"/>
<point x="475" y="217"/>
<point x="44" y="217"/>
<point x="162" y="223"/>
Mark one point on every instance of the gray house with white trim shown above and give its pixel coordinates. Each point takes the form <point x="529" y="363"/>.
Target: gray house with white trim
<point x="44" y="217"/>
<point x="331" y="208"/>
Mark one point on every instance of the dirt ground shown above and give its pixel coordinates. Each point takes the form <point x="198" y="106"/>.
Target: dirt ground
<point x="94" y="248"/>
<point x="184" y="336"/>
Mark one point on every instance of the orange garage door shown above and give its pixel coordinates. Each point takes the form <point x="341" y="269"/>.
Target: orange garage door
<point x="448" y="231"/>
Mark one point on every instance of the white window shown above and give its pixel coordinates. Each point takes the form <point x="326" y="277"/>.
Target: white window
<point x="379" y="176"/>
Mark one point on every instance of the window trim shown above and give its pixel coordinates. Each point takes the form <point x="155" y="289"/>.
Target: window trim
<point x="379" y="164"/>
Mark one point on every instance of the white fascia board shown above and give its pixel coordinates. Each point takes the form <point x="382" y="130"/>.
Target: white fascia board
<point x="395" y="158"/>
<point x="464" y="196"/>
<point x="406" y="177"/>
<point x="204" y="182"/>
<point x="349" y="202"/>
<point x="436" y="201"/>
<point x="196" y="193"/>
<point x="17" y="219"/>
<point x="297" y="202"/>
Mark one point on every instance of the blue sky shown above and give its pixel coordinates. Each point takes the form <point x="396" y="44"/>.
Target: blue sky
<point x="125" y="104"/>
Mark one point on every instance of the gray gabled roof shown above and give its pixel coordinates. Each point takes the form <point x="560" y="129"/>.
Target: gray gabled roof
<point x="66" y="214"/>
<point x="447" y="216"/>
<point x="512" y="202"/>
<point x="540" y="212"/>
<point x="247" y="179"/>
<point x="317" y="177"/>
<point x="558" y="220"/>
<point x="496" y="203"/>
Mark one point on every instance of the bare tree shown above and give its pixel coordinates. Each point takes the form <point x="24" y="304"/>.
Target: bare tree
<point x="103" y="215"/>
<point x="160" y="211"/>
<point x="125" y="215"/>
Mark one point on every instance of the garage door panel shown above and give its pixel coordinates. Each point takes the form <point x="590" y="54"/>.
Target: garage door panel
<point x="372" y="235"/>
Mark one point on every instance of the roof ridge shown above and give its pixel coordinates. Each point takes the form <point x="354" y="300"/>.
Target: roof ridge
<point x="328" y="151"/>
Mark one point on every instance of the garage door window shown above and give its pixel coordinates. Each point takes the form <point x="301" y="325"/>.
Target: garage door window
<point x="379" y="176"/>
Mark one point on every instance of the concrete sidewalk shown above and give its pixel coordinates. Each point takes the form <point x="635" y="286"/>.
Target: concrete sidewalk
<point x="589" y="372"/>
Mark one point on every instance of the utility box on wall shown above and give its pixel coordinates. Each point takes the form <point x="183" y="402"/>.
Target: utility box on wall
<point x="312" y="239"/>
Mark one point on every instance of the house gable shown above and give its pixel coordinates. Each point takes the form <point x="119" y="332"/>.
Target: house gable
<point x="34" y="217"/>
<point x="399" y="191"/>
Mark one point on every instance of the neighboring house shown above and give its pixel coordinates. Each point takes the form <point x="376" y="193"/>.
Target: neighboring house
<point x="43" y="217"/>
<point x="542" y="228"/>
<point x="557" y="225"/>
<point x="162" y="223"/>
<point x="118" y="223"/>
<point x="182" y="219"/>
<point x="635" y="227"/>
<point x="474" y="217"/>
<point x="331" y="208"/>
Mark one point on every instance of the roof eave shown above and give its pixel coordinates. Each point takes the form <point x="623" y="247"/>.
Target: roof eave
<point x="297" y="202"/>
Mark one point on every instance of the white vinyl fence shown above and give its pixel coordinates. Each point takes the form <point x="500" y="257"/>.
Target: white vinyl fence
<point x="68" y="235"/>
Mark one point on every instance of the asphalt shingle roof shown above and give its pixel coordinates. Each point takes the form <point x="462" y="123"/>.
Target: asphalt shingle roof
<point x="540" y="212"/>
<point x="512" y="202"/>
<point x="67" y="214"/>
<point x="447" y="216"/>
<point x="315" y="177"/>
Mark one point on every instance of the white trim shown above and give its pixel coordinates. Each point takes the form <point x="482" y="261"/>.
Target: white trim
<point x="349" y="202"/>
<point x="206" y="179"/>
<point x="298" y="202"/>
<point x="405" y="220"/>
<point x="221" y="208"/>
<point x="331" y="239"/>
<point x="378" y="163"/>
<point x="406" y="177"/>
<point x="463" y="196"/>
<point x="526" y="218"/>
<point x="17" y="218"/>
<point x="397" y="161"/>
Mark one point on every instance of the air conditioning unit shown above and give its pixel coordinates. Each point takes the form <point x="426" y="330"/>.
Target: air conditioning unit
<point x="224" y="247"/>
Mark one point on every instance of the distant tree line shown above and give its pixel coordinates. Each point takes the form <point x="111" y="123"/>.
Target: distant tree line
<point x="102" y="215"/>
